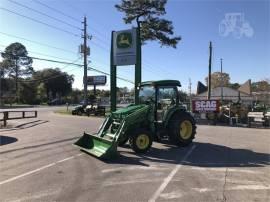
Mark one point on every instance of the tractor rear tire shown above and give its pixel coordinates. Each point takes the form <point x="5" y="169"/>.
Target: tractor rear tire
<point x="182" y="129"/>
<point x="141" y="140"/>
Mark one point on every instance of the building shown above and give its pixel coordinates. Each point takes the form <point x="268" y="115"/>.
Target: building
<point x="227" y="94"/>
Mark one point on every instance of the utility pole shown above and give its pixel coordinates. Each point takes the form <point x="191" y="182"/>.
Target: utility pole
<point x="221" y="80"/>
<point x="16" y="78"/>
<point x="1" y="73"/>
<point x="209" y="71"/>
<point x="189" y="88"/>
<point x="85" y="54"/>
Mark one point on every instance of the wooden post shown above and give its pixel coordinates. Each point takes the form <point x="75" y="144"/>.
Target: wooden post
<point x="5" y="118"/>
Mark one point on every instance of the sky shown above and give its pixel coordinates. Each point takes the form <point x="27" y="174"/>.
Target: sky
<point x="239" y="31"/>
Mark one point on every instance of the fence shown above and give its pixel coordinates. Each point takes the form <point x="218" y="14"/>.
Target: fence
<point x="24" y="114"/>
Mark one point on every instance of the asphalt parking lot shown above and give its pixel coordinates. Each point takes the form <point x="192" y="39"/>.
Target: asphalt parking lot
<point x="38" y="163"/>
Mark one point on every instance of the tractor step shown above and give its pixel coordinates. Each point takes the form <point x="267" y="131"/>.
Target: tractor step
<point x="109" y="135"/>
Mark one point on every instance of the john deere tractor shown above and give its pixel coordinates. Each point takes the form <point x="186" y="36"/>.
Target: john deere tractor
<point x="159" y="115"/>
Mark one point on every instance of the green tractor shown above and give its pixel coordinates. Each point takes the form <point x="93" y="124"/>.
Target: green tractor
<point x="159" y="115"/>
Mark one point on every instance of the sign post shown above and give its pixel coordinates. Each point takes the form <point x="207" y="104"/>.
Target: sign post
<point x="113" y="76"/>
<point x="138" y="66"/>
<point x="96" y="81"/>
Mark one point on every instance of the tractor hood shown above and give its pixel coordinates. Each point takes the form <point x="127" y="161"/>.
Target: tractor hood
<point x="121" y="113"/>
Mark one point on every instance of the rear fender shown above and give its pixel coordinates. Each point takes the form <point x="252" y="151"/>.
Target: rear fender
<point x="171" y="113"/>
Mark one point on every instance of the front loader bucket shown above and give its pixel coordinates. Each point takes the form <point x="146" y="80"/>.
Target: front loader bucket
<point x="97" y="146"/>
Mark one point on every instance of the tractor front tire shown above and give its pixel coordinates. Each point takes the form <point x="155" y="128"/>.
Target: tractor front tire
<point x="122" y="142"/>
<point x="141" y="140"/>
<point x="182" y="129"/>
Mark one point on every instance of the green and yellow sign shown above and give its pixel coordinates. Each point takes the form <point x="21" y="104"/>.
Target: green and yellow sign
<point x="124" y="40"/>
<point x="124" y="47"/>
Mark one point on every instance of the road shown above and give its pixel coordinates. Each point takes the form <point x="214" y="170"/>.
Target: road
<point x="39" y="163"/>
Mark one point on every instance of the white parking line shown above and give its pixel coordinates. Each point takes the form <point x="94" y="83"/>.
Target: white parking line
<point x="151" y="167"/>
<point x="66" y="159"/>
<point x="37" y="170"/>
<point x="170" y="176"/>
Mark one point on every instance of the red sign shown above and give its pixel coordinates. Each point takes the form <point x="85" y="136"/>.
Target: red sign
<point x="205" y="105"/>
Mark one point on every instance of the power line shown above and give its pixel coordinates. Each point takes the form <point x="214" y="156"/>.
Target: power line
<point x="71" y="63"/>
<point x="161" y="68"/>
<point x="92" y="28"/>
<point x="56" y="10"/>
<point x="100" y="47"/>
<point x="94" y="43"/>
<point x="36" y="42"/>
<point x="45" y="59"/>
<point x="38" y="21"/>
<point x="102" y="72"/>
<point x="55" y="61"/>
<point x="44" y="14"/>
<point x="53" y="77"/>
<point x="101" y="40"/>
<point x="42" y="54"/>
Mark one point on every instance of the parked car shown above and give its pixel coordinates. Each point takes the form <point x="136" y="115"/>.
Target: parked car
<point x="78" y="110"/>
<point x="93" y="109"/>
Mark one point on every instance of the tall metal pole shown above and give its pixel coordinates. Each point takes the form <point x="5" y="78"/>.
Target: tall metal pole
<point x="113" y="79"/>
<point x="138" y="66"/>
<point x="221" y="80"/>
<point x="16" y="79"/>
<point x="1" y="73"/>
<point x="190" y="100"/>
<point x="209" y="71"/>
<point x="85" y="53"/>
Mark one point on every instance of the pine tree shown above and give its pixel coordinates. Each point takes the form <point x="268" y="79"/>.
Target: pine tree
<point x="147" y="14"/>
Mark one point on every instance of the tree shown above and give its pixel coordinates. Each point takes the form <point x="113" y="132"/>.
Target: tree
<point x="182" y="96"/>
<point x="28" y="93"/>
<point x="56" y="82"/>
<point x="147" y="15"/>
<point x="76" y="96"/>
<point x="218" y="79"/>
<point x="263" y="85"/>
<point x="4" y="65"/>
<point x="234" y="85"/>
<point x="16" y="62"/>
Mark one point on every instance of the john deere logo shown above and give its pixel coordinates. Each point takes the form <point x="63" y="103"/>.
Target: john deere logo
<point x="124" y="40"/>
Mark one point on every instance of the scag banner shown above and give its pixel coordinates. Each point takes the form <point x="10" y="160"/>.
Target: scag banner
<point x="205" y="105"/>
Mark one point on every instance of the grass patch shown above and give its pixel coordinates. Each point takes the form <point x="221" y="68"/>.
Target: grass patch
<point x="63" y="111"/>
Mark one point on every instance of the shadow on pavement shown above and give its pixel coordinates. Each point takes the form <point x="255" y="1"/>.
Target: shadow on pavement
<point x="204" y="155"/>
<point x="26" y="125"/>
<point x="40" y="145"/>
<point x="7" y="140"/>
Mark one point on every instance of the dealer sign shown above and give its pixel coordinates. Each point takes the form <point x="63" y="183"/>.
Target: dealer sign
<point x="205" y="105"/>
<point x="96" y="80"/>
<point x="124" y="47"/>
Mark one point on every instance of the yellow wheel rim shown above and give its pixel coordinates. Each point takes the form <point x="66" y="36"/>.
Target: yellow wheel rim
<point x="142" y="141"/>
<point x="185" y="130"/>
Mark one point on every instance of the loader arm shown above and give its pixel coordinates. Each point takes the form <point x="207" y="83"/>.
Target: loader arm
<point x="104" y="143"/>
<point x="132" y="121"/>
